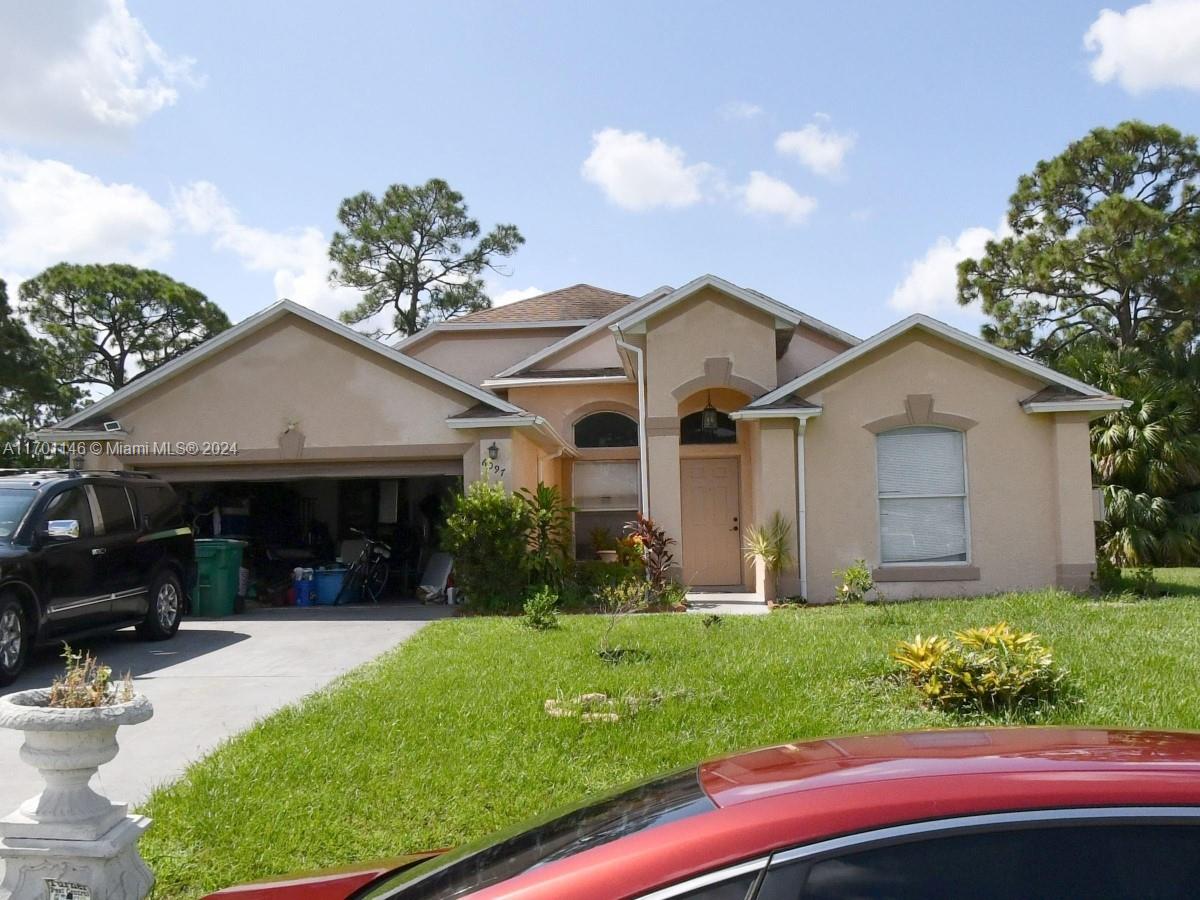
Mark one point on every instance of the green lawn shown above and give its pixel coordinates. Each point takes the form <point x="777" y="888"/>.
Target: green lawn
<point x="445" y="739"/>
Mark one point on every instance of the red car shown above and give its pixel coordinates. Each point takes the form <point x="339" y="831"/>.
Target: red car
<point x="989" y="813"/>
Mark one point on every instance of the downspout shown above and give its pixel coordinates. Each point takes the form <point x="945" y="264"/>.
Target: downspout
<point x="546" y="459"/>
<point x="641" y="392"/>
<point x="801" y="531"/>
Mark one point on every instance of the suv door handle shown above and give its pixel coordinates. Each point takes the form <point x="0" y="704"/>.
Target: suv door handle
<point x="99" y="551"/>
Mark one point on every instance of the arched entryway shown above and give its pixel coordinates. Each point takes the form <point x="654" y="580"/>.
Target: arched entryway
<point x="712" y="466"/>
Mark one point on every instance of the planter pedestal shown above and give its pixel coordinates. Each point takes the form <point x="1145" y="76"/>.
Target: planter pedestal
<point x="764" y="584"/>
<point x="69" y="837"/>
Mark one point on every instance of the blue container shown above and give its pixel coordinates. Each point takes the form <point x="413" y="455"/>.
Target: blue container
<point x="328" y="585"/>
<point x="304" y="592"/>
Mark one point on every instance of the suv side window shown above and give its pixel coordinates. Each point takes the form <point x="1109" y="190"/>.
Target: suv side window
<point x="157" y="506"/>
<point x="116" y="513"/>
<point x="70" y="504"/>
<point x="1097" y="861"/>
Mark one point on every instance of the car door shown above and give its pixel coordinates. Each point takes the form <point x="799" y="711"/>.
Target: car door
<point x="76" y="598"/>
<point x="1101" y="854"/>
<point x="116" y="545"/>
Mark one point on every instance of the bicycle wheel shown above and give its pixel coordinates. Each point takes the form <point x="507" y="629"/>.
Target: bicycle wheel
<point x="376" y="579"/>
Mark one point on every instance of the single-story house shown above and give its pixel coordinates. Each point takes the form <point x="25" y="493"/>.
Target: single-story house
<point x="950" y="466"/>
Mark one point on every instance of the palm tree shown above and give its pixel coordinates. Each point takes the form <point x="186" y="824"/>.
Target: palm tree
<point x="1147" y="457"/>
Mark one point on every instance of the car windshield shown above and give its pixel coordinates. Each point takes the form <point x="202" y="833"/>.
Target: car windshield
<point x="13" y="504"/>
<point x="508" y="854"/>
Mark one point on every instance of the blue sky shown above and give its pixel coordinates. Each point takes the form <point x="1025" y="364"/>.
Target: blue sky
<point x="840" y="157"/>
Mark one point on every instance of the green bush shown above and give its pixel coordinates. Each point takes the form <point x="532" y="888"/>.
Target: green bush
<point x="549" y="533"/>
<point x="487" y="534"/>
<point x="992" y="670"/>
<point x="1144" y="582"/>
<point x="541" y="610"/>
<point x="856" y="582"/>
<point x="1108" y="575"/>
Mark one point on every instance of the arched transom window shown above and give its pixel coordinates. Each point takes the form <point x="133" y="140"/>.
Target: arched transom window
<point x="922" y="496"/>
<point x="606" y="429"/>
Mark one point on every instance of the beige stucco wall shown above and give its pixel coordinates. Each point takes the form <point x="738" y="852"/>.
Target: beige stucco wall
<point x="563" y="405"/>
<point x="597" y="351"/>
<point x="1016" y="465"/>
<point x="775" y="487"/>
<point x="478" y="355"/>
<point x="807" y="349"/>
<point x="349" y="402"/>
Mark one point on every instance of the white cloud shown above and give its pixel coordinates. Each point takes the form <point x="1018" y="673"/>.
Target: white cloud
<point x="512" y="295"/>
<point x="741" y="109"/>
<point x="1154" y="45"/>
<point x="298" y="259"/>
<point x="51" y="212"/>
<point x="637" y="172"/>
<point x="81" y="67"/>
<point x="764" y="195"/>
<point x="821" y="149"/>
<point x="931" y="285"/>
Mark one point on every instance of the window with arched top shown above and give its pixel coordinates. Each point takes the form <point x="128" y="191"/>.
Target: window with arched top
<point x="922" y="479"/>
<point x="606" y="429"/>
<point x="707" y="426"/>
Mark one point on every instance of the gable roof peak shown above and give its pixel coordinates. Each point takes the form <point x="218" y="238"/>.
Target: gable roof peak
<point x="574" y="303"/>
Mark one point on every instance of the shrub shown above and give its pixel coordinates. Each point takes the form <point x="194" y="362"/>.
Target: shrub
<point x="655" y="549"/>
<point x="1144" y="582"/>
<point x="856" y="582"/>
<point x="549" y="533"/>
<point x="487" y="533"/>
<point x="625" y="597"/>
<point x="770" y="545"/>
<point x="541" y="610"/>
<point x="1108" y="575"/>
<point x="991" y="670"/>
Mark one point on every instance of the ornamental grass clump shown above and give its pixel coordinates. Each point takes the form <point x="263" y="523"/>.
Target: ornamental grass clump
<point x="990" y="671"/>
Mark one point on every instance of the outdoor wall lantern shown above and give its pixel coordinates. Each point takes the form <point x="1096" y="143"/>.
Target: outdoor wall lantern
<point x="708" y="415"/>
<point x="493" y="452"/>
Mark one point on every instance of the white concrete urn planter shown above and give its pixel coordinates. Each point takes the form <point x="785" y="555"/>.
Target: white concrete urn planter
<point x="70" y="838"/>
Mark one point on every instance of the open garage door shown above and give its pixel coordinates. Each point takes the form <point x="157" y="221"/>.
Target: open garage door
<point x="294" y="471"/>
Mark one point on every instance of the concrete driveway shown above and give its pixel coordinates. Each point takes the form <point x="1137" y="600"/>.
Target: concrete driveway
<point x="212" y="680"/>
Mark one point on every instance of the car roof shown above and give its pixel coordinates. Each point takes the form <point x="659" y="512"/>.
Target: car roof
<point x="861" y="759"/>
<point x="799" y="793"/>
<point x="37" y="478"/>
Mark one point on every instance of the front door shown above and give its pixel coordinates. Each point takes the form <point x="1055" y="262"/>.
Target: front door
<point x="712" y="540"/>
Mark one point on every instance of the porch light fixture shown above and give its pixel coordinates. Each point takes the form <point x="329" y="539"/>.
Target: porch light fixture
<point x="493" y="452"/>
<point x="708" y="415"/>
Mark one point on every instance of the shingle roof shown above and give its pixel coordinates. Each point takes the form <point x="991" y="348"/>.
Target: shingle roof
<point x="790" y="401"/>
<point x="579" y="301"/>
<point x="597" y="372"/>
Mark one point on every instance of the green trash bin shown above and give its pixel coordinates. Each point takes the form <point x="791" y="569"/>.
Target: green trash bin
<point x="217" y="564"/>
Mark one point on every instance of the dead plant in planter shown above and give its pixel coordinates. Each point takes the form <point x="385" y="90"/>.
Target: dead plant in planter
<point x="86" y="684"/>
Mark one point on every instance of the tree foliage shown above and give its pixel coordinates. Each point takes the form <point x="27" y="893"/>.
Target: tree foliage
<point x="1147" y="457"/>
<point x="1105" y="245"/>
<point x="105" y="323"/>
<point x="31" y="393"/>
<point x="416" y="253"/>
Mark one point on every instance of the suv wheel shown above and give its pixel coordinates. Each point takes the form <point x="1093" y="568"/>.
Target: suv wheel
<point x="166" y="609"/>
<point x="14" y="638"/>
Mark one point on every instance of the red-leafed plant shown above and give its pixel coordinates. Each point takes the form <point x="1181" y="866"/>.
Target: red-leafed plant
<point x="656" y="552"/>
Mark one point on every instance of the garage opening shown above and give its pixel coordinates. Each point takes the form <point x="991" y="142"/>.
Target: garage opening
<point x="310" y="523"/>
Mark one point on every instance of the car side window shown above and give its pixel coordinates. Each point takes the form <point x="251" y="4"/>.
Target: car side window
<point x="70" y="504"/>
<point x="1098" y="861"/>
<point x="116" y="515"/>
<point x="158" y="507"/>
<point x="734" y="889"/>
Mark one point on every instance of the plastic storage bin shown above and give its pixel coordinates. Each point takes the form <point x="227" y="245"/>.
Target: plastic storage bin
<point x="328" y="585"/>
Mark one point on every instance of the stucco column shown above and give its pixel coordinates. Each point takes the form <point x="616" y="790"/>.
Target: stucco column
<point x="1076" y="541"/>
<point x="478" y="463"/>
<point x="775" y="488"/>
<point x="665" y="505"/>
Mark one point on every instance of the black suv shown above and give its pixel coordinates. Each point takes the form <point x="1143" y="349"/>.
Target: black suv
<point x="86" y="552"/>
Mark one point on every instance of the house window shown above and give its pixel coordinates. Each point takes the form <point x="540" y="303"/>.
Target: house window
<point x="606" y="429"/>
<point x="694" y="429"/>
<point x="922" y="496"/>
<point x="605" y="498"/>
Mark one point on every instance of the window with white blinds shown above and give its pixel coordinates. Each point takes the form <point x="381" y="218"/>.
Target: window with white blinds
<point x="605" y="485"/>
<point x="922" y="496"/>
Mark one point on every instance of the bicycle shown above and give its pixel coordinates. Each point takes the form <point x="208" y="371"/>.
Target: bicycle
<point x="368" y="574"/>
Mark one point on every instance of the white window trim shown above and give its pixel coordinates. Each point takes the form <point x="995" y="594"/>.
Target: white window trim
<point x="965" y="495"/>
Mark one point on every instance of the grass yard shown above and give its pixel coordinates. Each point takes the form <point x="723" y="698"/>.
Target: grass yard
<point x="445" y="739"/>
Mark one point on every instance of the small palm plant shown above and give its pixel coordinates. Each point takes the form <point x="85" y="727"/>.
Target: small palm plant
<point x="769" y="548"/>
